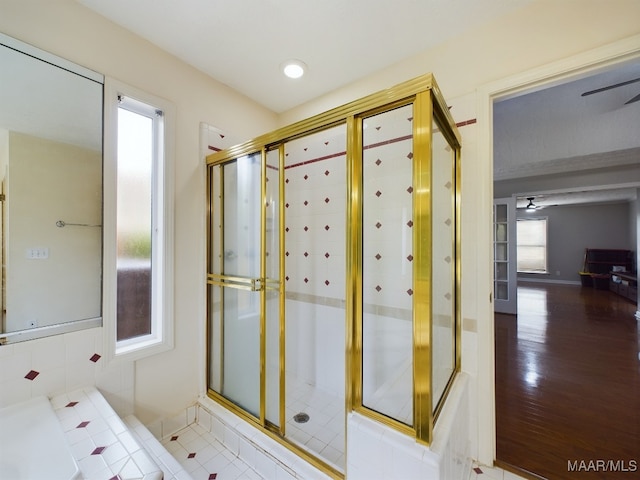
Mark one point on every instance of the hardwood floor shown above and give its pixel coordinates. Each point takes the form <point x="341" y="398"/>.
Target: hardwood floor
<point x="568" y="384"/>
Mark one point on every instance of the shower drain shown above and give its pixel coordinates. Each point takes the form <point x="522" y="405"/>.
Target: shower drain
<point x="301" y="417"/>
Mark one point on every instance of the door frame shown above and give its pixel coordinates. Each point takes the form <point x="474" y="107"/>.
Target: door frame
<point x="545" y="76"/>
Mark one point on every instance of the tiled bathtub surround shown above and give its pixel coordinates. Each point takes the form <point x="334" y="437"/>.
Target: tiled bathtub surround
<point x="100" y="441"/>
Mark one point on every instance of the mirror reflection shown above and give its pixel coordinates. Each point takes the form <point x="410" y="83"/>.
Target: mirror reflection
<point x="51" y="193"/>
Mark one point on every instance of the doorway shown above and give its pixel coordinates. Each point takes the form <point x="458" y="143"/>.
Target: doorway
<point x="560" y="181"/>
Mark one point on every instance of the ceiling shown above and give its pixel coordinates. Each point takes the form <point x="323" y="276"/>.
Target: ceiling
<point x="242" y="43"/>
<point x="566" y="148"/>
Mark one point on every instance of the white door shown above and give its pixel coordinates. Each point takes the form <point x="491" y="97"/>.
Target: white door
<point x="504" y="256"/>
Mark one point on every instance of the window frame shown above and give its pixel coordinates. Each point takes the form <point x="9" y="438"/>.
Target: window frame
<point x="161" y="338"/>
<point x="546" y="245"/>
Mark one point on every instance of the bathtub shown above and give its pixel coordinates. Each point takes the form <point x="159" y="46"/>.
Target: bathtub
<point x="33" y="444"/>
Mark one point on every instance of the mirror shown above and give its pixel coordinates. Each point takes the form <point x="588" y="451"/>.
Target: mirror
<point x="51" y="193"/>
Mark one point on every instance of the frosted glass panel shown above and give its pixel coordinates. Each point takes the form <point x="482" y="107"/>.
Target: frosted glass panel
<point x="241" y="346"/>
<point x="387" y="282"/>
<point x="134" y="174"/>
<point x="241" y="257"/>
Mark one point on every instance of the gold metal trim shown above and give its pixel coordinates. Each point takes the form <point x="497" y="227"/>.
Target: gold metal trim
<point x="282" y="267"/>
<point x="332" y="117"/>
<point x="422" y="267"/>
<point x="263" y="293"/>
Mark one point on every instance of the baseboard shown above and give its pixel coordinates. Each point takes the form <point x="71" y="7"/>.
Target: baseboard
<point x="549" y="280"/>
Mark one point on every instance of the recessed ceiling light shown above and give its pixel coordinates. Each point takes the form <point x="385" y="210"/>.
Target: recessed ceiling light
<point x="294" y="68"/>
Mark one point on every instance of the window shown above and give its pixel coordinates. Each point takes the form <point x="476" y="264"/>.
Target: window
<point x="138" y="223"/>
<point x="532" y="245"/>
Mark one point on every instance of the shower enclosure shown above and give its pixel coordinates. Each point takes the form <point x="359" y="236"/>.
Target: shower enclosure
<point x="333" y="272"/>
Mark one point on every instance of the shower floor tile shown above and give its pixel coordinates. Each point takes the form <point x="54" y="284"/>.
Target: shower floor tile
<point x="323" y="435"/>
<point x="204" y="458"/>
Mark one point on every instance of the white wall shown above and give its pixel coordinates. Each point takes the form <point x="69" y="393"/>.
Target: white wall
<point x="164" y="383"/>
<point x="573" y="228"/>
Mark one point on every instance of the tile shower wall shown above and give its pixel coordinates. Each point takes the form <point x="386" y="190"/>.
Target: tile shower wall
<point x="54" y="365"/>
<point x="315" y="223"/>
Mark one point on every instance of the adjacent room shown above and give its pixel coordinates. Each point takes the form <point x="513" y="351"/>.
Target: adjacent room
<point x="566" y="207"/>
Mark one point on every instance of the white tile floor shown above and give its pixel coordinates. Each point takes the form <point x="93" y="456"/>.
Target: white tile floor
<point x="482" y="472"/>
<point x="204" y="458"/>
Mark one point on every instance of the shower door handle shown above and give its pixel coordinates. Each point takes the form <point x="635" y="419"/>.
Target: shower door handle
<point x="243" y="283"/>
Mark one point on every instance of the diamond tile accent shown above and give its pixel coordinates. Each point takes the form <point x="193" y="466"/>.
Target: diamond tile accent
<point x="410" y="156"/>
<point x="306" y="177"/>
<point x="306" y="203"/>
<point x="71" y="404"/>
<point x="174" y="438"/>
<point x="378" y="288"/>
<point x="410" y="223"/>
<point x="306" y="280"/>
<point x="191" y="455"/>
<point x="478" y="470"/>
<point x="213" y="476"/>
<point x="326" y="172"/>
<point x="378" y="162"/>
<point x="82" y="424"/>
<point x="98" y="450"/>
<point x="410" y="258"/>
<point x="116" y="477"/>
<point x="327" y="227"/>
<point x="95" y="357"/>
<point x="410" y="292"/>
<point x="326" y="255"/>
<point x="306" y="254"/>
<point x="306" y="228"/>
<point x="326" y="282"/>
<point x="31" y="375"/>
<point x="378" y="256"/>
<point x="410" y="189"/>
<point x="378" y="225"/>
<point x="326" y="200"/>
<point x="378" y="193"/>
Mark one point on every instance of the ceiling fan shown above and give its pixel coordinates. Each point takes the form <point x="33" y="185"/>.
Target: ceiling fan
<point x="531" y="206"/>
<point x="615" y="85"/>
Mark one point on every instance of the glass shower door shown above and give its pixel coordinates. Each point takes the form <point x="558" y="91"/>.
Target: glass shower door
<point x="235" y="285"/>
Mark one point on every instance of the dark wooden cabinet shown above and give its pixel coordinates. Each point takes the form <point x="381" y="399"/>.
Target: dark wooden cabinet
<point x="601" y="260"/>
<point x="601" y="263"/>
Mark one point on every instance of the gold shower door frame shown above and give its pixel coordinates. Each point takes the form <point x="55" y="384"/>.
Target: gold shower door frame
<point x="429" y="105"/>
